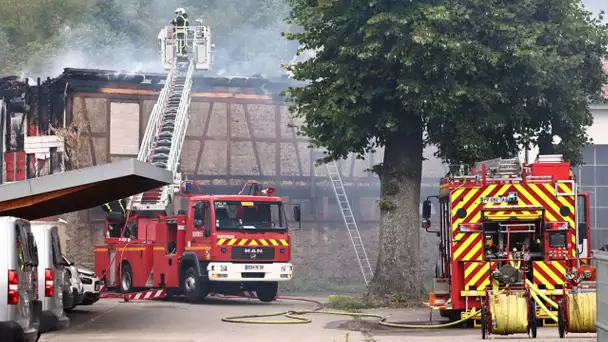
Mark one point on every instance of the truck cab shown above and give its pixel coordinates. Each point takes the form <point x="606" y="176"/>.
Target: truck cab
<point x="244" y="241"/>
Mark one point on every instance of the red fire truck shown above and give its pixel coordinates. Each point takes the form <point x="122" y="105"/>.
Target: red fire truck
<point x="216" y="243"/>
<point x="222" y="244"/>
<point x="521" y="225"/>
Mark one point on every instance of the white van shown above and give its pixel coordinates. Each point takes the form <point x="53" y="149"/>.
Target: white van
<point x="50" y="286"/>
<point x="20" y="308"/>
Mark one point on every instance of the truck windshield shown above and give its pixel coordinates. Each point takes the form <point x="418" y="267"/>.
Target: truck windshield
<point x="231" y="215"/>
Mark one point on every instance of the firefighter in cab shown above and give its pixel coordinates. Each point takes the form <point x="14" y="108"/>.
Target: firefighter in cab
<point x="180" y="24"/>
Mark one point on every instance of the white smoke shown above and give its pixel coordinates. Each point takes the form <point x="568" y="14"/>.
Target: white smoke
<point x="245" y="46"/>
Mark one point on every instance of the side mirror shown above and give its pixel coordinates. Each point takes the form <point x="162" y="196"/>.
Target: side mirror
<point x="426" y="209"/>
<point x="207" y="231"/>
<point x="297" y="214"/>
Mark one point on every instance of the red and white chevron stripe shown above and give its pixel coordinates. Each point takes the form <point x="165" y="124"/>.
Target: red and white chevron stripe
<point x="145" y="295"/>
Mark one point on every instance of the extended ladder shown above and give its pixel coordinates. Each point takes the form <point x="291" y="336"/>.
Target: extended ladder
<point x="349" y="221"/>
<point x="165" y="134"/>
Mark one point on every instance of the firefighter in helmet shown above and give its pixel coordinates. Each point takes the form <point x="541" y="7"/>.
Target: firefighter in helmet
<point x="118" y="206"/>
<point x="180" y="24"/>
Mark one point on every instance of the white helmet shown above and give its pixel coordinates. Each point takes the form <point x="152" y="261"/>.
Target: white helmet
<point x="180" y="11"/>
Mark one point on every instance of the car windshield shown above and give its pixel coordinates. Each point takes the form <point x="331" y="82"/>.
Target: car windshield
<point x="231" y="215"/>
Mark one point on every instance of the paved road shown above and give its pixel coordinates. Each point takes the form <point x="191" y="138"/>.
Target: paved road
<point x="176" y="321"/>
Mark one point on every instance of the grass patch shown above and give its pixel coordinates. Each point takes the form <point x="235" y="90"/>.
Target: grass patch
<point x="346" y="303"/>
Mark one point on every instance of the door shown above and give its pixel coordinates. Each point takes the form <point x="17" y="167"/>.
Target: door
<point x="198" y="237"/>
<point x="583" y="227"/>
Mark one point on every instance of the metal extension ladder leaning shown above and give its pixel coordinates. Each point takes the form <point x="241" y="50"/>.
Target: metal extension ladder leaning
<point x="349" y="221"/>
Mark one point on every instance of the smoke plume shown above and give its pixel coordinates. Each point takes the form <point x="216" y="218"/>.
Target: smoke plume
<point x="247" y="38"/>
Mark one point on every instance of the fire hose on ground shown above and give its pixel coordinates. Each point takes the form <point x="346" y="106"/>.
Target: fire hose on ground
<point x="296" y="317"/>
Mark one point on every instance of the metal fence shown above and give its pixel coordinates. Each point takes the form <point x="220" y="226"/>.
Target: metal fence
<point x="601" y="259"/>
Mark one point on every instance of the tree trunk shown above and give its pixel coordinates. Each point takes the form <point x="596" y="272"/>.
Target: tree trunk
<point x="398" y="266"/>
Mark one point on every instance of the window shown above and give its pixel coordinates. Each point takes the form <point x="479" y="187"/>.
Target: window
<point x="588" y="155"/>
<point x="601" y="175"/>
<point x="21" y="248"/>
<point x="601" y="154"/>
<point x="124" y="128"/>
<point x="259" y="215"/>
<point x="587" y="176"/>
<point x="56" y="249"/>
<point x="33" y="248"/>
<point x="602" y="217"/>
<point x="601" y="195"/>
<point x="581" y="208"/>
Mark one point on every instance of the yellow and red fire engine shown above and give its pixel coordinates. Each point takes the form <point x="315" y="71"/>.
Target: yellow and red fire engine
<point x="519" y="225"/>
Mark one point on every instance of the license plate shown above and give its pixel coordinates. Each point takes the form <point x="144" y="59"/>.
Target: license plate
<point x="254" y="267"/>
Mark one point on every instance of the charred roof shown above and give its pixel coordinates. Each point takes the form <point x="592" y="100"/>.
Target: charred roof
<point x="89" y="80"/>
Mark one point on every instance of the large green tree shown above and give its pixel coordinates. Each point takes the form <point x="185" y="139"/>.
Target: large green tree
<point x="477" y="78"/>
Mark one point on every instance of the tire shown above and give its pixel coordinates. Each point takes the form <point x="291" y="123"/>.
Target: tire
<point x="533" y="320"/>
<point x="483" y="321"/>
<point x="561" y="322"/>
<point x="126" y="279"/>
<point x="193" y="286"/>
<point x="267" y="292"/>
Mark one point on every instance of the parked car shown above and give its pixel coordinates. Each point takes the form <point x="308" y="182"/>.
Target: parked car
<point x="20" y="308"/>
<point x="74" y="286"/>
<point x="90" y="282"/>
<point x="51" y="270"/>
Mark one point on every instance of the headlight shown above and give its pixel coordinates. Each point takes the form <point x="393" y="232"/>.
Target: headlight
<point x="220" y="268"/>
<point x="286" y="268"/>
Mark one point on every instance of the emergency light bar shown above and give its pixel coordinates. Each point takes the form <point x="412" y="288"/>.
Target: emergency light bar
<point x="269" y="191"/>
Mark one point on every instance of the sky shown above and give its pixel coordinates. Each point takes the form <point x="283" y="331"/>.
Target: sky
<point x="596" y="6"/>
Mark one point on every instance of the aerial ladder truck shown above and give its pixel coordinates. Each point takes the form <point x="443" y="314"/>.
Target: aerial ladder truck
<point x="222" y="244"/>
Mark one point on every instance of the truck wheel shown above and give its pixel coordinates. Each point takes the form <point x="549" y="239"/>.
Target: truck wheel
<point x="126" y="279"/>
<point x="267" y="292"/>
<point x="193" y="286"/>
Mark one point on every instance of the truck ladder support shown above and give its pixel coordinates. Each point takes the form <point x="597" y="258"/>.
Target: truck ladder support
<point x="165" y="134"/>
<point x="349" y="221"/>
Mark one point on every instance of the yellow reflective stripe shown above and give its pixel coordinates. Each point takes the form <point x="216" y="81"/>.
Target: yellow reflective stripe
<point x="124" y="211"/>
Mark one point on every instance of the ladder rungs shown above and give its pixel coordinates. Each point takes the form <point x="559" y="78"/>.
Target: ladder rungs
<point x="349" y="221"/>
